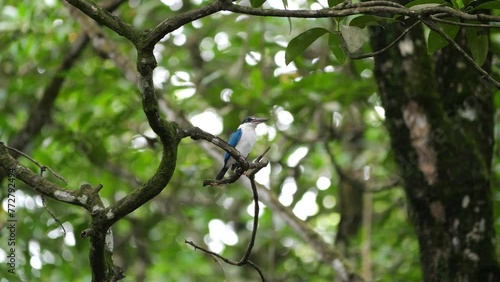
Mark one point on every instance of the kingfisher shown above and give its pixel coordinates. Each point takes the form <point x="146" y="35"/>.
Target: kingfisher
<point x="242" y="140"/>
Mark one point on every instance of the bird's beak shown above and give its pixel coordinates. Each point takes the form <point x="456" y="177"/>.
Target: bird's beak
<point x="260" y="120"/>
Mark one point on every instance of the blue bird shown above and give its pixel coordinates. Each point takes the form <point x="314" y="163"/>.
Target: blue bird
<point x="242" y="140"/>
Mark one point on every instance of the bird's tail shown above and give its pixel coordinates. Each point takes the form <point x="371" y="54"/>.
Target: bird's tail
<point x="222" y="173"/>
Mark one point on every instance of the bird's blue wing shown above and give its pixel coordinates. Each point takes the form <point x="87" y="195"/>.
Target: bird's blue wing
<point x="233" y="140"/>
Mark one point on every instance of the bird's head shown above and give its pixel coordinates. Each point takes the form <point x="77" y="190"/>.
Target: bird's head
<point x="254" y="120"/>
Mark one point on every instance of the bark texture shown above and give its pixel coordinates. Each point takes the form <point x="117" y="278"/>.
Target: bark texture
<point x="439" y="115"/>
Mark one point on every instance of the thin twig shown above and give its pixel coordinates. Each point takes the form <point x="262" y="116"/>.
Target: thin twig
<point x="53" y="215"/>
<point x="251" y="263"/>
<point x="231" y="179"/>
<point x="57" y="175"/>
<point x="452" y="42"/>
<point x="244" y="260"/>
<point x="42" y="170"/>
<point x="437" y="19"/>
<point x="360" y="8"/>
<point x="363" y="56"/>
<point x="255" y="195"/>
<point x="262" y="155"/>
<point x="219" y="264"/>
<point x="42" y="167"/>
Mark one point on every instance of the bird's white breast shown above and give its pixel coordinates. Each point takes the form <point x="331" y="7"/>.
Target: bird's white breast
<point x="248" y="138"/>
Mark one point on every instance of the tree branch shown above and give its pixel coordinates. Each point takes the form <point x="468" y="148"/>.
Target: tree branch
<point x="327" y="253"/>
<point x="103" y="46"/>
<point x="108" y="19"/>
<point x="363" y="56"/>
<point x="42" y="111"/>
<point x="244" y="260"/>
<point x="358" y="8"/>
<point x="86" y="196"/>
<point x="437" y="19"/>
<point x="171" y="24"/>
<point x="37" y="182"/>
<point x="148" y="191"/>
<point x="455" y="45"/>
<point x="42" y="167"/>
<point x="168" y="134"/>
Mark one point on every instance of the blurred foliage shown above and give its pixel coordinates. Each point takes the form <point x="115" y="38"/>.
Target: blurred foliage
<point x="217" y="69"/>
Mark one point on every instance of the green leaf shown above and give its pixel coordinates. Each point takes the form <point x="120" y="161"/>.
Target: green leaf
<point x="435" y="41"/>
<point x="297" y="45"/>
<point x="332" y="3"/>
<point x="335" y="44"/>
<point x="467" y="2"/>
<point x="257" y="3"/>
<point x="490" y="5"/>
<point x="369" y="20"/>
<point x="459" y="4"/>
<point x="477" y="40"/>
<point x="421" y="4"/>
<point x="354" y="37"/>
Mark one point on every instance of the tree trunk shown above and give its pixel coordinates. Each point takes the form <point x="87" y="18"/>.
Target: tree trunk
<point x="439" y="115"/>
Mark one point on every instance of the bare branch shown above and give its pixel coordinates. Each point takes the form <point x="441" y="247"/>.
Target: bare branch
<point x="148" y="191"/>
<point x="244" y="260"/>
<point x="42" y="170"/>
<point x="104" y="47"/>
<point x="361" y="8"/>
<point x="255" y="195"/>
<point x="252" y="264"/>
<point x="42" y="167"/>
<point x="87" y="197"/>
<point x="168" y="133"/>
<point x="326" y="252"/>
<point x="41" y="113"/>
<point x="347" y="4"/>
<point x="433" y="26"/>
<point x="252" y="169"/>
<point x="38" y="183"/>
<point x="262" y="155"/>
<point x="437" y="19"/>
<point x="108" y="19"/>
<point x="171" y="24"/>
<point x="368" y="7"/>
<point x="54" y="217"/>
<point x="357" y="57"/>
